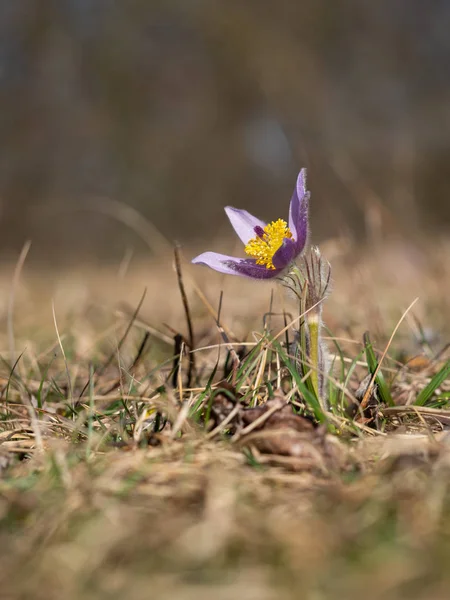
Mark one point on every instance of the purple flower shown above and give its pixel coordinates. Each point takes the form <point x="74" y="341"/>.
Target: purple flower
<point x="271" y="247"/>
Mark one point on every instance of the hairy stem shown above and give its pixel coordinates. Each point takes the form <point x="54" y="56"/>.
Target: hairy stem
<point x="314" y="351"/>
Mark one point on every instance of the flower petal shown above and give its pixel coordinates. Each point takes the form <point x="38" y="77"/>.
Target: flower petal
<point x="249" y="268"/>
<point x="234" y="266"/>
<point x="243" y="223"/>
<point x="216" y="261"/>
<point x="298" y="212"/>
<point x="285" y="254"/>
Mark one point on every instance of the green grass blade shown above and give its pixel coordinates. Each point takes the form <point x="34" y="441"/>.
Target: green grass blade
<point x="350" y="371"/>
<point x="332" y="390"/>
<point x="300" y="356"/>
<point x="372" y="363"/>
<point x="435" y="382"/>
<point x="309" y="397"/>
<point x="41" y="384"/>
<point x="194" y="411"/>
<point x="249" y="363"/>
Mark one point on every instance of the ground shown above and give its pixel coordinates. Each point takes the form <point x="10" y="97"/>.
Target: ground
<point x="129" y="472"/>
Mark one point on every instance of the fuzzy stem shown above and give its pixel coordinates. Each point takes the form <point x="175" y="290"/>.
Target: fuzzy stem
<point x="314" y="351"/>
<point x="310" y="284"/>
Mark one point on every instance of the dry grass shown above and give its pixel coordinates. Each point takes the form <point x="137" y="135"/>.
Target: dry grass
<point x="122" y="479"/>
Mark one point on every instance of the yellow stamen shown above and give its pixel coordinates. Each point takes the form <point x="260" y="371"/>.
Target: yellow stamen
<point x="263" y="248"/>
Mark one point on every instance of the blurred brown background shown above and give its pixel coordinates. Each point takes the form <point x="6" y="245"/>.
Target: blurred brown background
<point x="179" y="107"/>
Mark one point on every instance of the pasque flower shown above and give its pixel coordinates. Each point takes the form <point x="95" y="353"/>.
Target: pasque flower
<point x="270" y="247"/>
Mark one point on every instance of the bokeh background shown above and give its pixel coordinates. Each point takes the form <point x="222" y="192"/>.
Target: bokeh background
<point x="176" y="108"/>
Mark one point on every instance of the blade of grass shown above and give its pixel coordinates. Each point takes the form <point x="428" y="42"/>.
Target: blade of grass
<point x="41" y="384"/>
<point x="12" y="296"/>
<point x="248" y="364"/>
<point x="187" y="313"/>
<point x="198" y="403"/>
<point x="309" y="397"/>
<point x="365" y="400"/>
<point x="435" y="382"/>
<point x="339" y="350"/>
<point x="351" y="368"/>
<point x="69" y="380"/>
<point x="373" y="365"/>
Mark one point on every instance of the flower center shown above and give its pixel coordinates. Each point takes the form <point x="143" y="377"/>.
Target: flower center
<point x="267" y="242"/>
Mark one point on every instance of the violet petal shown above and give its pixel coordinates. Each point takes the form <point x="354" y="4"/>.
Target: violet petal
<point x="285" y="254"/>
<point x="243" y="223"/>
<point x="216" y="261"/>
<point x="298" y="212"/>
<point x="249" y="268"/>
<point x="234" y="266"/>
